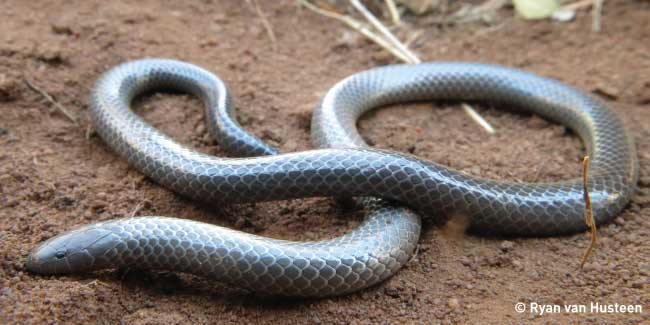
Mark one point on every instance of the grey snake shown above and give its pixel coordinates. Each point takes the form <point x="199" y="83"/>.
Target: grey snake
<point x="395" y="188"/>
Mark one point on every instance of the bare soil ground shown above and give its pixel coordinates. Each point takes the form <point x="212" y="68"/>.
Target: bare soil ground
<point x="55" y="175"/>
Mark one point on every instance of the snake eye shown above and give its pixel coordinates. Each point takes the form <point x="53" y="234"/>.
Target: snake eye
<point x="59" y="255"/>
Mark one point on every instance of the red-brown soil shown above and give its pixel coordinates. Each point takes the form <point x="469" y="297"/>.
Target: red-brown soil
<point x="55" y="175"/>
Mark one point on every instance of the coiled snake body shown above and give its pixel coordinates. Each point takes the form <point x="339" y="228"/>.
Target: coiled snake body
<point x="387" y="237"/>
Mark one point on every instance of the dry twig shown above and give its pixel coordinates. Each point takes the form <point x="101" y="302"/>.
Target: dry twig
<point x="388" y="42"/>
<point x="540" y="169"/>
<point x="267" y="24"/>
<point x="413" y="37"/>
<point x="383" y="30"/>
<point x="589" y="213"/>
<point x="413" y="58"/>
<point x="49" y="98"/>
<point x="474" y="115"/>
<point x="597" y="12"/>
<point x="89" y="131"/>
<point x="137" y="209"/>
<point x="97" y="282"/>
<point x="359" y="27"/>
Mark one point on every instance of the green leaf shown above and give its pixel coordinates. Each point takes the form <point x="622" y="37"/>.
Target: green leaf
<point x="536" y="9"/>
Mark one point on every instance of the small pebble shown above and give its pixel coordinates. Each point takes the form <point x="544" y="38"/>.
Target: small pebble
<point x="506" y="245"/>
<point x="644" y="94"/>
<point x="465" y="261"/>
<point x="645" y="181"/>
<point x="536" y="122"/>
<point x="619" y="221"/>
<point x="52" y="55"/>
<point x="10" y="89"/>
<point x="200" y="129"/>
<point x="563" y="16"/>
<point x="7" y="292"/>
<point x="98" y="205"/>
<point x="643" y="201"/>
<point x="392" y="292"/>
<point x="639" y="284"/>
<point x="61" y="28"/>
<point x="607" y="91"/>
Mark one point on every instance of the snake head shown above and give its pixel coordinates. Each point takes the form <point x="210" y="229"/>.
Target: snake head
<point x="73" y="251"/>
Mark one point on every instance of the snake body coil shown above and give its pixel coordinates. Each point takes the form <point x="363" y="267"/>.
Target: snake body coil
<point x="388" y="235"/>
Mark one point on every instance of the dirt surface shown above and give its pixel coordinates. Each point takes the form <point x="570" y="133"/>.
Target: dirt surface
<point x="55" y="175"/>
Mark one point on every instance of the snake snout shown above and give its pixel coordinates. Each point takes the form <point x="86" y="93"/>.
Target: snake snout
<point x="51" y="257"/>
<point x="69" y="252"/>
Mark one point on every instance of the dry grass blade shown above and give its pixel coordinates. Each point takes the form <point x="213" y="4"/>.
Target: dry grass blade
<point x="388" y="42"/>
<point x="589" y="213"/>
<point x="412" y="58"/>
<point x="474" y="115"/>
<point x="359" y="27"/>
<point x="597" y="12"/>
<point x="394" y="14"/>
<point x="137" y="209"/>
<point x="50" y="99"/>
<point x="384" y="31"/>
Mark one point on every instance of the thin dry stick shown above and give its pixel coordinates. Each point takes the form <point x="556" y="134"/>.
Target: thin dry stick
<point x="413" y="37"/>
<point x="89" y="131"/>
<point x="359" y="27"/>
<point x="539" y="171"/>
<point x="49" y="98"/>
<point x="394" y="14"/>
<point x="383" y="30"/>
<point x="415" y="254"/>
<point x="97" y="282"/>
<point x="597" y="11"/>
<point x="473" y="114"/>
<point x="589" y="213"/>
<point x="267" y="25"/>
<point x="137" y="209"/>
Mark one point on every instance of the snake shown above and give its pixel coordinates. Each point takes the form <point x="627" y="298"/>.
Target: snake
<point x="395" y="189"/>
